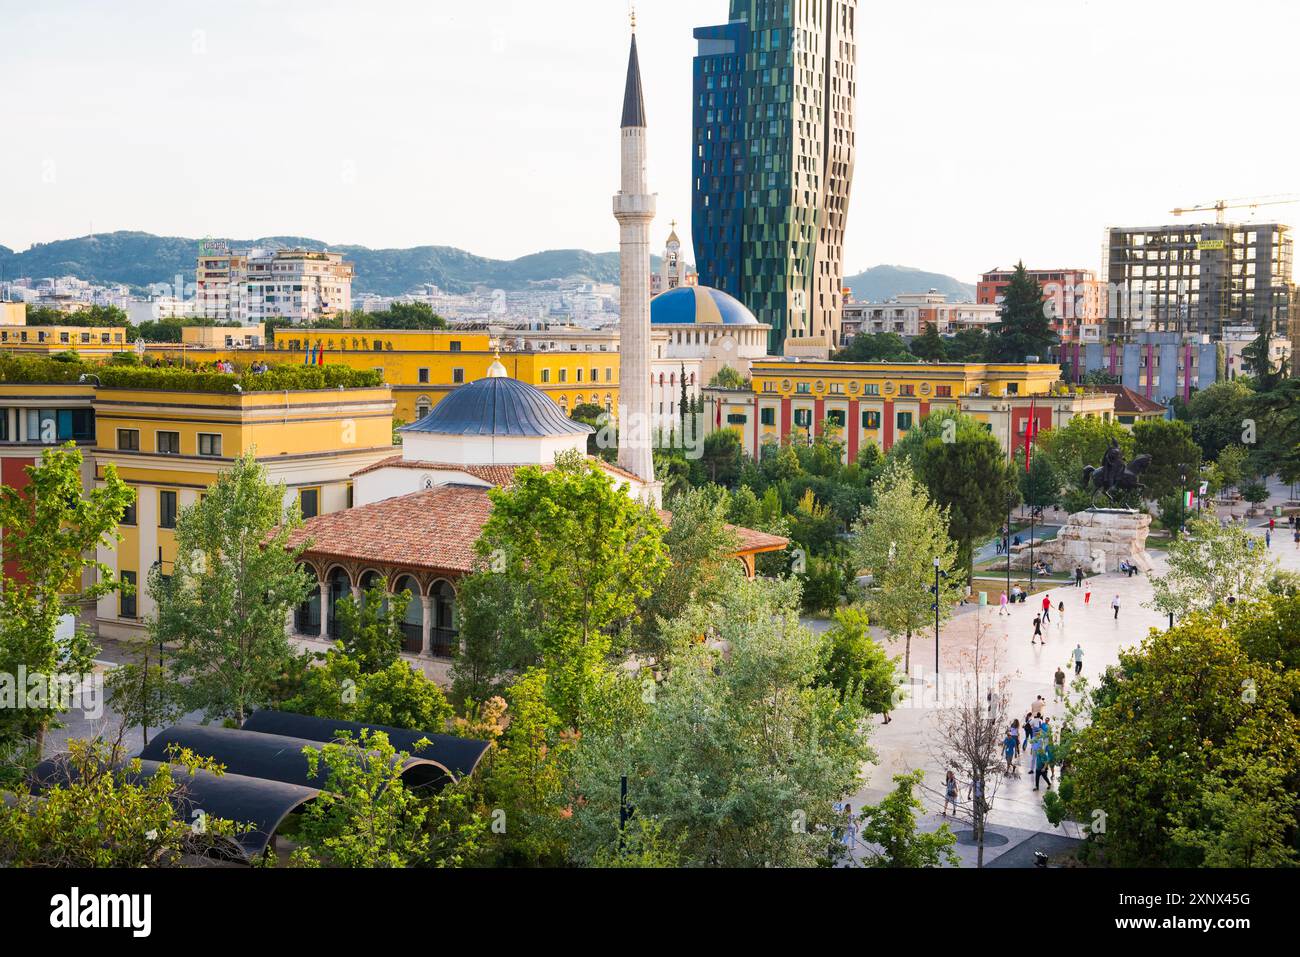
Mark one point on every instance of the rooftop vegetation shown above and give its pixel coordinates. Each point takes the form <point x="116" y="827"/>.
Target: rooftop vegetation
<point x="123" y="374"/>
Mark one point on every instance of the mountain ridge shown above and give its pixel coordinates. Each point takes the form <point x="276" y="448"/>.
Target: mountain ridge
<point x="138" y="259"/>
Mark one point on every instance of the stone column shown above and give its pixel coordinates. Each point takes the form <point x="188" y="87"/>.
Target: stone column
<point x="426" y="624"/>
<point x="326" y="612"/>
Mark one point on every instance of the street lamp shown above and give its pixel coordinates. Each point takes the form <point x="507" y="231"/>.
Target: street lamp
<point x="935" y="590"/>
<point x="1012" y="500"/>
<point x="1182" y="499"/>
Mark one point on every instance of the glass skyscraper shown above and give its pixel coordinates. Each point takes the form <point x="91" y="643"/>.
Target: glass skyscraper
<point x="773" y="94"/>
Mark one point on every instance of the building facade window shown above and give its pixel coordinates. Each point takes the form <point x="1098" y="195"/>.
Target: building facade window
<point x="457" y="376"/>
<point x="309" y="502"/>
<point x="128" y="440"/>
<point x="129" y="513"/>
<point x="169" y="443"/>
<point x="423" y="377"/>
<point x="127" y="606"/>
<point x="904" y="421"/>
<point x="209" y="444"/>
<point x="871" y="420"/>
<point x="767" y="416"/>
<point x="166" y="509"/>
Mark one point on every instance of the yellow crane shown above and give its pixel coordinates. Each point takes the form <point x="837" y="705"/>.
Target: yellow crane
<point x="1219" y="205"/>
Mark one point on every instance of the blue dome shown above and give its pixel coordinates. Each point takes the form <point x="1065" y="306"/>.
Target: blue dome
<point x="686" y="305"/>
<point x="498" y="406"/>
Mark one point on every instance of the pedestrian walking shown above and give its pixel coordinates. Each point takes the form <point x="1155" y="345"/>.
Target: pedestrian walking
<point x="1268" y="539"/>
<point x="950" y="792"/>
<point x="850" y="834"/>
<point x="1059" y="683"/>
<point x="1014" y="730"/>
<point x="1011" y="746"/>
<point x="1038" y="631"/>
<point x="1039" y="704"/>
<point x="1060" y="617"/>
<point x="1114" y="603"/>
<point x="1040" y="761"/>
<point x="1087" y="598"/>
<point x="1002" y="605"/>
<point x="1047" y="608"/>
<point x="1078" y="576"/>
<point x="1077" y="655"/>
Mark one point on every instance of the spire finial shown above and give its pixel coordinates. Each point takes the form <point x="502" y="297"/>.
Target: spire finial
<point x="633" y="15"/>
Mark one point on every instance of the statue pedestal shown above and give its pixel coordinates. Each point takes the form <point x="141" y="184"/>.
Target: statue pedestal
<point x="1097" y="539"/>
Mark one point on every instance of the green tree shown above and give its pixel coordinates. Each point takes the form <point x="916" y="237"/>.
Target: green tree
<point x="235" y="580"/>
<point x="1172" y="450"/>
<point x="143" y="694"/>
<point x="528" y="776"/>
<point x="1023" y="327"/>
<point x="875" y="347"/>
<point x="968" y="345"/>
<point x="701" y="549"/>
<point x="1191" y="722"/>
<point x="728" y="378"/>
<point x="721" y="460"/>
<point x="1041" y="485"/>
<point x="929" y="346"/>
<point x="946" y="424"/>
<point x="1211" y="564"/>
<point x="52" y="529"/>
<point x="365" y="816"/>
<point x="896" y="539"/>
<point x="742" y="755"/>
<point x="397" y="696"/>
<point x="1217" y="413"/>
<point x="856" y="665"/>
<point x="1230" y="466"/>
<point x="370" y="629"/>
<point x="891" y="827"/>
<point x="109" y="812"/>
<point x="971" y="480"/>
<point x="587" y="555"/>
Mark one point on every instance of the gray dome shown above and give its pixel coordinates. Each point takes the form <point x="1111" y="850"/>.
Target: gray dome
<point x="498" y="406"/>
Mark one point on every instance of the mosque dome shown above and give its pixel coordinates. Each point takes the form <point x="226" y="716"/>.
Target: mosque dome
<point x="687" y="305"/>
<point x="497" y="405"/>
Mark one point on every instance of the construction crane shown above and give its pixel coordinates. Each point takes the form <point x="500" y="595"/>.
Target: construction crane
<point x="1219" y="205"/>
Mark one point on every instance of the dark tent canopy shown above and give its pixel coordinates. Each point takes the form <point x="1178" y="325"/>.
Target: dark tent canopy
<point x="460" y="756"/>
<point x="258" y="802"/>
<point x="274" y="757"/>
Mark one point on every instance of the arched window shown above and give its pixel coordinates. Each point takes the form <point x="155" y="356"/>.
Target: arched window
<point x="609" y="402"/>
<point x="445" y="636"/>
<point x="340" y="586"/>
<point x="423" y="406"/>
<point x="306" y="620"/>
<point x="413" y="620"/>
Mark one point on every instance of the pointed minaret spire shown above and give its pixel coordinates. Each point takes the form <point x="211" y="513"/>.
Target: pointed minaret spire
<point x="633" y="100"/>
<point x="634" y="208"/>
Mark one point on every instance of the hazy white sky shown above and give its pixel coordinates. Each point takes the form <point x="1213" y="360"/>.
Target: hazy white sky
<point x="987" y="129"/>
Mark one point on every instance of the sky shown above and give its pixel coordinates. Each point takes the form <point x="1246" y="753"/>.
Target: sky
<point x="987" y="130"/>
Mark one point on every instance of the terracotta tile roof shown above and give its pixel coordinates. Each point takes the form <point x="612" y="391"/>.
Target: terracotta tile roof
<point x="434" y="529"/>
<point x="751" y="540"/>
<point x="502" y="476"/>
<point x="1129" y="402"/>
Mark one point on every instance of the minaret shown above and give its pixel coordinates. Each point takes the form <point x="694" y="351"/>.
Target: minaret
<point x="634" y="208"/>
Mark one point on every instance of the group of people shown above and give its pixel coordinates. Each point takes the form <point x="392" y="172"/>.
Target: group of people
<point x="1033" y="738"/>
<point x="1293" y="522"/>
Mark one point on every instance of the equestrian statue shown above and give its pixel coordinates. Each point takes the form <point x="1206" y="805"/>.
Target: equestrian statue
<point x="1114" y="474"/>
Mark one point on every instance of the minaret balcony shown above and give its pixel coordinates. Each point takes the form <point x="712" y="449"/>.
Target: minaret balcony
<point x="635" y="204"/>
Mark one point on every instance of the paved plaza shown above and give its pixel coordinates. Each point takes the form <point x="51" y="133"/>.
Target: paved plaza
<point x="905" y="744"/>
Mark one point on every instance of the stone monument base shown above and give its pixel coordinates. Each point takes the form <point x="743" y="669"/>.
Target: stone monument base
<point x="1098" y="539"/>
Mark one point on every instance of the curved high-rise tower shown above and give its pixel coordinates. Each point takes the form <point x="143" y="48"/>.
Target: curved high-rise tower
<point x="634" y="208"/>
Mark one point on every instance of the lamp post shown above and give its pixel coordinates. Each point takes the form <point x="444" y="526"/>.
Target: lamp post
<point x="1182" y="500"/>
<point x="935" y="589"/>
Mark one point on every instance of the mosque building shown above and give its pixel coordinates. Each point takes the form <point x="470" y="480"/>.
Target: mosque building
<point x="417" y="516"/>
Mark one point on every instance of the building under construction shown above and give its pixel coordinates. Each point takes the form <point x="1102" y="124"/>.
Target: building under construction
<point x="1200" y="279"/>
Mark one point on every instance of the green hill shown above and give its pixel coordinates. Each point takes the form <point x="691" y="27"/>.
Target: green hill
<point x="138" y="259"/>
<point x="883" y="282"/>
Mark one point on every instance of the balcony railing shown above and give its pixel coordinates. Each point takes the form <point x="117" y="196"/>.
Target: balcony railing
<point x="443" y="642"/>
